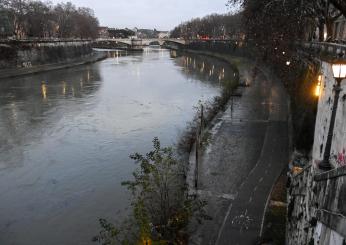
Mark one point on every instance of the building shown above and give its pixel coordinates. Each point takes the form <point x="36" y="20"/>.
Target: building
<point x="163" y="34"/>
<point x="103" y="32"/>
<point x="339" y="34"/>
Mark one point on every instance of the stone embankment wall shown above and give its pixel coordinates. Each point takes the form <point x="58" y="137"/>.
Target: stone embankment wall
<point x="326" y="100"/>
<point x="21" y="54"/>
<point x="317" y="199"/>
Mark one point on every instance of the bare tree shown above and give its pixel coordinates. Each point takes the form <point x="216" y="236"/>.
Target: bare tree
<point x="34" y="18"/>
<point x="213" y="26"/>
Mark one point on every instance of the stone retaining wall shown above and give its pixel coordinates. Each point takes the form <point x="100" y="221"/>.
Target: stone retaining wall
<point x="19" y="54"/>
<point x="317" y="200"/>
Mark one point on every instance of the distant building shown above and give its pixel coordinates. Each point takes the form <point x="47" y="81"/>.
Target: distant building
<point x="163" y="34"/>
<point x="103" y="32"/>
<point x="340" y="29"/>
<point x="147" y="33"/>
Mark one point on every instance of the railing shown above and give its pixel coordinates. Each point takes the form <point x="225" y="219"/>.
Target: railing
<point x="199" y="142"/>
<point x="325" y="49"/>
<point x="335" y="173"/>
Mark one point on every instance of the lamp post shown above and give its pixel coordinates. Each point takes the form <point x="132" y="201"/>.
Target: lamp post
<point x="339" y="73"/>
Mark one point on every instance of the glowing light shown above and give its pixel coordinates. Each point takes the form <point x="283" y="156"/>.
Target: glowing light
<point x="318" y="86"/>
<point x="318" y="90"/>
<point x="146" y="241"/>
<point x="44" y="90"/>
<point x="220" y="77"/>
<point x="283" y="52"/>
<point x="325" y="35"/>
<point x="202" y="69"/>
<point x="320" y="78"/>
<point x="288" y="63"/>
<point x="63" y="88"/>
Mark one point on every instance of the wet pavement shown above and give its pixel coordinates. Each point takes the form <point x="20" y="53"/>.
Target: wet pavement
<point x="247" y="151"/>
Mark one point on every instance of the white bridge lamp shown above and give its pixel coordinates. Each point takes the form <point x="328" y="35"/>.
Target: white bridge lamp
<point x="339" y="73"/>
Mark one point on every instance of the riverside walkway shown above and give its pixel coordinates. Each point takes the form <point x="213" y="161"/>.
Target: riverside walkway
<point x="248" y="150"/>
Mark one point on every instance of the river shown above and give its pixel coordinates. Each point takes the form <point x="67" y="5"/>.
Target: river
<point x="65" y="138"/>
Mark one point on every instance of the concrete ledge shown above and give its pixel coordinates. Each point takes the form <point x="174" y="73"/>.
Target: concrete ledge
<point x="335" y="173"/>
<point x="332" y="220"/>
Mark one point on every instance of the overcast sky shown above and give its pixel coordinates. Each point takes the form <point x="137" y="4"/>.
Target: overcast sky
<point x="159" y="14"/>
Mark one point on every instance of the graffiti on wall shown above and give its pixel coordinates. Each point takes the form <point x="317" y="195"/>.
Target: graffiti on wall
<point x="341" y="158"/>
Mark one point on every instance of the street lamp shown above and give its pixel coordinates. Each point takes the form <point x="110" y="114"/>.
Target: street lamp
<point x="339" y="73"/>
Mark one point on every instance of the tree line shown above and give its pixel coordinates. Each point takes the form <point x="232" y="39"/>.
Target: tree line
<point x="272" y="28"/>
<point x="31" y="18"/>
<point x="280" y="21"/>
<point x="211" y="26"/>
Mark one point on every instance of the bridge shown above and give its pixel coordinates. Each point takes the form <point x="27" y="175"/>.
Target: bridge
<point x="145" y="42"/>
<point x="137" y="44"/>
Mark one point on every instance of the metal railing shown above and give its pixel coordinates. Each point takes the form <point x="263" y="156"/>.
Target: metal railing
<point x="199" y="142"/>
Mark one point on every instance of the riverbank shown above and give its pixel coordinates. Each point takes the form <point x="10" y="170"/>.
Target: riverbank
<point x="215" y="111"/>
<point x="213" y="108"/>
<point x="246" y="151"/>
<point x="14" y="72"/>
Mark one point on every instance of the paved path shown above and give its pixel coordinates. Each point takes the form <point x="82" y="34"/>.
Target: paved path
<point x="247" y="152"/>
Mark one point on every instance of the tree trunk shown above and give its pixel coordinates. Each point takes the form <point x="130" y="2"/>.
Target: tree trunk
<point x="321" y="31"/>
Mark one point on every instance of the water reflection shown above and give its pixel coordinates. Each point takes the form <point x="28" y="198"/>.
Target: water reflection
<point x="31" y="103"/>
<point x="65" y="138"/>
<point x="83" y="80"/>
<point x="44" y="90"/>
<point x="203" y="68"/>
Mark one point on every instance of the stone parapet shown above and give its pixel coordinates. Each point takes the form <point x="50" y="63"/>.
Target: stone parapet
<point x="31" y="53"/>
<point x="324" y="50"/>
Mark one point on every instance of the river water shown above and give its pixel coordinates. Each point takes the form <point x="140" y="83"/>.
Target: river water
<point x="65" y="138"/>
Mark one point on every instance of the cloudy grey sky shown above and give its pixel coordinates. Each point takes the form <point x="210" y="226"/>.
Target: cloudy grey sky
<point x="159" y="14"/>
